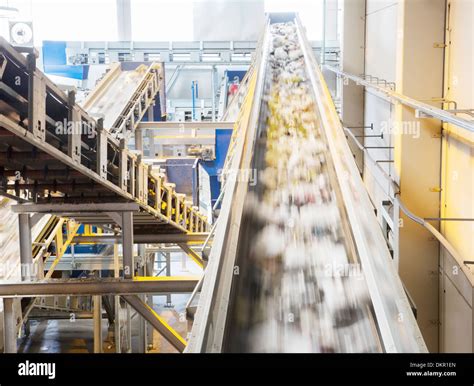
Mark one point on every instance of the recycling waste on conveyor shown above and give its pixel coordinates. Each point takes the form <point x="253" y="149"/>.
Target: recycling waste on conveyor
<point x="294" y="299"/>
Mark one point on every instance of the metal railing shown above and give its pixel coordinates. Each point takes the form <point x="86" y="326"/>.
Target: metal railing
<point x="392" y="95"/>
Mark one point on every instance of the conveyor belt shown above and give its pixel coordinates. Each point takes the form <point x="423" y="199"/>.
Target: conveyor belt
<point x="53" y="151"/>
<point x="298" y="262"/>
<point x="122" y="97"/>
<point x="115" y="98"/>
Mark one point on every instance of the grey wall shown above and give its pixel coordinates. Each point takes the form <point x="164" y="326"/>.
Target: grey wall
<point x="457" y="296"/>
<point x="380" y="61"/>
<point x="228" y="19"/>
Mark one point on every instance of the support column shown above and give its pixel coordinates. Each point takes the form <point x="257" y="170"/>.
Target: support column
<point x="118" y="343"/>
<point x="151" y="113"/>
<point x="127" y="244"/>
<point x="168" y="273"/>
<point x="117" y="329"/>
<point x="9" y="326"/>
<point x="26" y="257"/>
<point x="129" y="327"/>
<point x="150" y="133"/>
<point x="139" y="140"/>
<point x="97" y="302"/>
<point x="150" y="271"/>
<point x="27" y="273"/>
<point x="213" y="90"/>
<point x="124" y="20"/>
<point x="142" y="336"/>
<point x="128" y="266"/>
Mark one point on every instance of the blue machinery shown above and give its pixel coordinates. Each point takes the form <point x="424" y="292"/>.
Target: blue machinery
<point x="55" y="62"/>
<point x="194" y="96"/>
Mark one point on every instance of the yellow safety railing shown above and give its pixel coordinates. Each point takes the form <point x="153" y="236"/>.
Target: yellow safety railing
<point x="59" y="231"/>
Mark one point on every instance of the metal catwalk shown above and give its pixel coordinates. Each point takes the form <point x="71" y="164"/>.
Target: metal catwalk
<point x="298" y="262"/>
<point x="54" y="151"/>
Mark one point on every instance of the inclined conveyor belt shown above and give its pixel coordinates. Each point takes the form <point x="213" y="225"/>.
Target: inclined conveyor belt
<point x="115" y="98"/>
<point x="299" y="262"/>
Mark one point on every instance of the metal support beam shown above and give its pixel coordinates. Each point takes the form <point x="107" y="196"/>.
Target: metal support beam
<point x="108" y="308"/>
<point x="124" y="20"/>
<point x="352" y="60"/>
<point x="156" y="238"/>
<point x="192" y="254"/>
<point x="142" y="326"/>
<point x="97" y="301"/>
<point x="117" y="340"/>
<point x="213" y="90"/>
<point x="150" y="271"/>
<point x="35" y="218"/>
<point x="150" y="136"/>
<point x="106" y="286"/>
<point x="157" y="322"/>
<point x="127" y="244"/>
<point x="168" y="273"/>
<point x="128" y="327"/>
<point x="26" y="258"/>
<point x="185" y="125"/>
<point x="151" y="113"/>
<point x="9" y="326"/>
<point x="139" y="139"/>
<point x="193" y="296"/>
<point x="65" y="209"/>
<point x="323" y="25"/>
<point x="117" y="330"/>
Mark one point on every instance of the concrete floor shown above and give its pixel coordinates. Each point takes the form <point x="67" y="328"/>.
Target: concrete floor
<point x="66" y="336"/>
<point x="175" y="317"/>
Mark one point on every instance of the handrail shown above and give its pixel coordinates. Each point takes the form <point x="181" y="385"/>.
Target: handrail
<point x="396" y="189"/>
<point x="444" y="242"/>
<point x="434" y="112"/>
